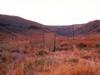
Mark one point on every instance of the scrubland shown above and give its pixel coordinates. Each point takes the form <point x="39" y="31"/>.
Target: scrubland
<point x="29" y="58"/>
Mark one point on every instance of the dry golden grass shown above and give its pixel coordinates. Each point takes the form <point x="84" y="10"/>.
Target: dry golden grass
<point x="36" y="61"/>
<point x="56" y="69"/>
<point x="53" y="64"/>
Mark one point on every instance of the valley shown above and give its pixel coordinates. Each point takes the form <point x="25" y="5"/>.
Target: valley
<point x="31" y="48"/>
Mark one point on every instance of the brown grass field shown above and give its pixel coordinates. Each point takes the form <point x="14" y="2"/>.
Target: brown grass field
<point x="25" y="57"/>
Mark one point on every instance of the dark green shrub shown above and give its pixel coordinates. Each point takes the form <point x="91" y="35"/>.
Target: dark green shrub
<point x="3" y="58"/>
<point x="16" y="50"/>
<point x="15" y="56"/>
<point x="42" y="53"/>
<point x="1" y="50"/>
<point x="81" y="46"/>
<point x="24" y="51"/>
<point x="97" y="45"/>
<point x="1" y="42"/>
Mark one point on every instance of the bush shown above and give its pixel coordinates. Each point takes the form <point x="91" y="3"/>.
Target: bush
<point x="3" y="58"/>
<point x="81" y="46"/>
<point x="15" y="56"/>
<point x="42" y="53"/>
<point x="97" y="45"/>
<point x="1" y="42"/>
<point x="15" y="50"/>
<point x="1" y="50"/>
<point x="24" y="51"/>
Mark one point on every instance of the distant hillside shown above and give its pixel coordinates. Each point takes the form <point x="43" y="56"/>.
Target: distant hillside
<point x="78" y="29"/>
<point x="89" y="28"/>
<point x="15" y="26"/>
<point x="66" y="30"/>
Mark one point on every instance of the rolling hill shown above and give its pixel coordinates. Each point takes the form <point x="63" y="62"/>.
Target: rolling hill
<point x="85" y="29"/>
<point x="89" y="28"/>
<point x="16" y="26"/>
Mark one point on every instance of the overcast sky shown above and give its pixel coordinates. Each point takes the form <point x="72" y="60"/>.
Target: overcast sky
<point x="53" y="12"/>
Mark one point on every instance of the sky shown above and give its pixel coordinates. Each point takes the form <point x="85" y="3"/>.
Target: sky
<point x="53" y="12"/>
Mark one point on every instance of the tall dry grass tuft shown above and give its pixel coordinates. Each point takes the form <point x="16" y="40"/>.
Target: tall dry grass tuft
<point x="18" y="69"/>
<point x="41" y="67"/>
<point x="83" y="68"/>
<point x="61" y="69"/>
